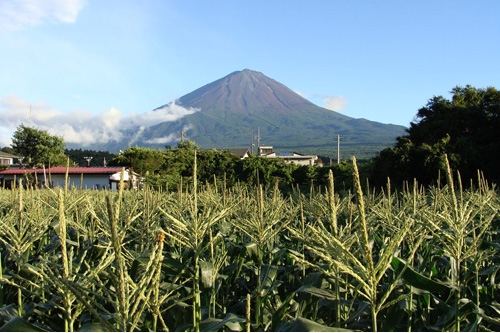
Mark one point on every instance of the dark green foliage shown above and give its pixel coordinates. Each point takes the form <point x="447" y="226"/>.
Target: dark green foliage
<point x="465" y="128"/>
<point x="265" y="171"/>
<point x="98" y="157"/>
<point x="38" y="147"/>
<point x="168" y="168"/>
<point x="144" y="161"/>
<point x="8" y="150"/>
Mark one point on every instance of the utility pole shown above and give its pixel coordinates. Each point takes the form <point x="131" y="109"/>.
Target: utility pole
<point x="338" y="149"/>
<point x="258" y="139"/>
<point x="251" y="143"/>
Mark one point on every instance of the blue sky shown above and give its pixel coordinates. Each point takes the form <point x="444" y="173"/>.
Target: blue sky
<point x="86" y="68"/>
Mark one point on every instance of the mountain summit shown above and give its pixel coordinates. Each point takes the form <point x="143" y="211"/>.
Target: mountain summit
<point x="229" y="112"/>
<point x="245" y="92"/>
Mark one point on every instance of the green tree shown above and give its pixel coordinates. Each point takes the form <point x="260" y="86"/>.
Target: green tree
<point x="8" y="150"/>
<point x="38" y="147"/>
<point x="99" y="158"/>
<point x="265" y="171"/>
<point x="174" y="164"/>
<point x="465" y="128"/>
<point x="141" y="160"/>
<point x="181" y="160"/>
<point x="215" y="163"/>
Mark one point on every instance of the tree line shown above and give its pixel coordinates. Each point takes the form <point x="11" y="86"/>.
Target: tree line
<point x="168" y="168"/>
<point x="463" y="129"/>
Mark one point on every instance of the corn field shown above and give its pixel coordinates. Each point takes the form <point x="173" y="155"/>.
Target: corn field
<point x="212" y="258"/>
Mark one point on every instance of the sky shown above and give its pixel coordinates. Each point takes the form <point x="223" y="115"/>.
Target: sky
<point x="85" y="69"/>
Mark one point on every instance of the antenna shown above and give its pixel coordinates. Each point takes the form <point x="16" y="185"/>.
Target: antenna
<point x="88" y="159"/>
<point x="30" y="115"/>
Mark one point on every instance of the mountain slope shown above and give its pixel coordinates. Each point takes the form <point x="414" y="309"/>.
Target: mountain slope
<point x="233" y="108"/>
<point x="245" y="92"/>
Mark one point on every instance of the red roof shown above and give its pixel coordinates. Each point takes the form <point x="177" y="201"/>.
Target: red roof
<point x="62" y="170"/>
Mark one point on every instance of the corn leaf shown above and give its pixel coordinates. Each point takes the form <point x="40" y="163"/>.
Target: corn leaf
<point x="19" y="324"/>
<point x="93" y="327"/>
<point x="318" y="292"/>
<point x="267" y="277"/>
<point x="254" y="252"/>
<point x="416" y="279"/>
<point x="231" y="321"/>
<point x="306" y="325"/>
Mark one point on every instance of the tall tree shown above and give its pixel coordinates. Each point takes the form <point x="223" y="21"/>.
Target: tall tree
<point x="465" y="128"/>
<point x="38" y="147"/>
<point x="142" y="160"/>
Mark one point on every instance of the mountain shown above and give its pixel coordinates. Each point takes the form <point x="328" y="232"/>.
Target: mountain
<point x="246" y="92"/>
<point x="231" y="111"/>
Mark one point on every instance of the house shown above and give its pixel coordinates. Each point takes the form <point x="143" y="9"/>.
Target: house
<point x="242" y="153"/>
<point x="266" y="150"/>
<point x="78" y="177"/>
<point x="7" y="159"/>
<point x="295" y="158"/>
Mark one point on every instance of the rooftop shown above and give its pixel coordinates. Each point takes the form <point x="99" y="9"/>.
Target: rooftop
<point x="62" y="170"/>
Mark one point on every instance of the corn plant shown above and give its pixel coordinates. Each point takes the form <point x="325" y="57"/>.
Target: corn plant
<point x="357" y="255"/>
<point x="189" y="227"/>
<point x="460" y="223"/>
<point x="22" y="229"/>
<point x="261" y="219"/>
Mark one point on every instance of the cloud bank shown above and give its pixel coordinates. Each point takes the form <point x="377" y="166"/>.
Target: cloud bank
<point x="173" y="137"/>
<point x="82" y="127"/>
<point x="335" y="103"/>
<point x="20" y="14"/>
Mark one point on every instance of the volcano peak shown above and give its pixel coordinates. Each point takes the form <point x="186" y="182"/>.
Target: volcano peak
<point x="245" y="92"/>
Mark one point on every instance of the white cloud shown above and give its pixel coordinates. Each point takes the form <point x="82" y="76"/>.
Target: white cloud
<point x="302" y="94"/>
<point x="335" y="103"/>
<point x="163" y="140"/>
<point x="169" y="112"/>
<point x="173" y="137"/>
<point x="81" y="127"/>
<point x="18" y="14"/>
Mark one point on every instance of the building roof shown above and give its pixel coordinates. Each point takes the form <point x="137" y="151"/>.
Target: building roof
<point x="4" y="154"/>
<point x="241" y="152"/>
<point x="62" y="170"/>
<point x="293" y="157"/>
<point x="298" y="157"/>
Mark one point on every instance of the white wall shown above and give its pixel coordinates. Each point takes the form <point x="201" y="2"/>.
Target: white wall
<point x="89" y="181"/>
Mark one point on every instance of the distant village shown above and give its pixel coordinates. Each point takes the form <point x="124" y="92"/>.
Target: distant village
<point x="104" y="177"/>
